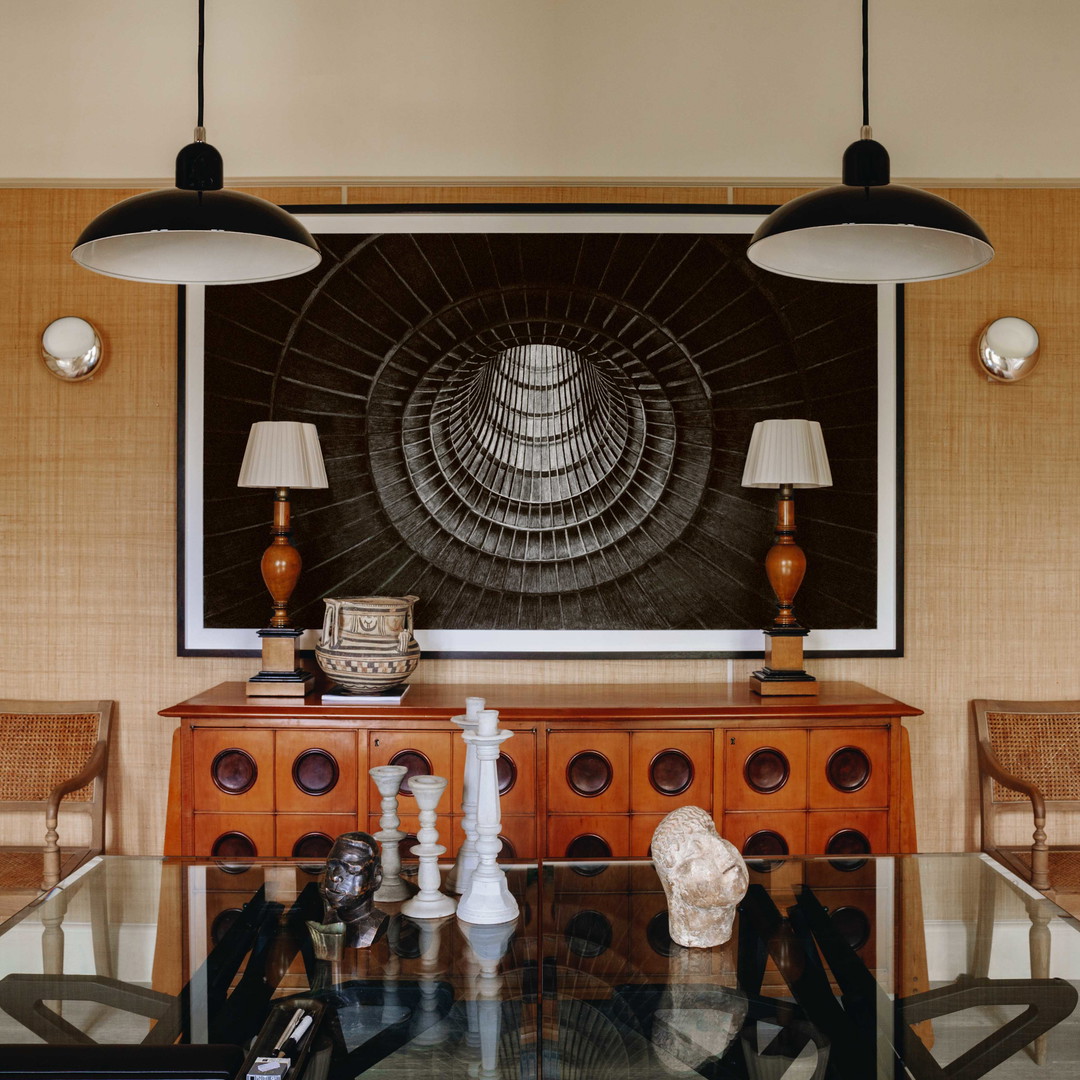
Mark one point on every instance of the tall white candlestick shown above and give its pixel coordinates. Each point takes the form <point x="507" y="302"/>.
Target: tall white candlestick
<point x="457" y="881"/>
<point x="488" y="898"/>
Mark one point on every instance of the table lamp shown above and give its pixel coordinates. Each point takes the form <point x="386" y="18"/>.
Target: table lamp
<point x="785" y="454"/>
<point x="281" y="454"/>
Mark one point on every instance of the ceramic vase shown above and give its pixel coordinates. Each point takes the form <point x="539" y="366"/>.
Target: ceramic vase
<point x="367" y="642"/>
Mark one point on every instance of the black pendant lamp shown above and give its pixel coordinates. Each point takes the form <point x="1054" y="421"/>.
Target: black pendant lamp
<point x="197" y="233"/>
<point x="866" y="230"/>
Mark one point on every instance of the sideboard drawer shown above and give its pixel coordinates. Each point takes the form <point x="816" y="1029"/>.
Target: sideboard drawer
<point x="588" y="836"/>
<point x="847" y="833"/>
<point x="234" y="770"/>
<point x="670" y="769"/>
<point x="592" y="932"/>
<point x="848" y="767"/>
<point x="766" y="836"/>
<point x="309" y="836"/>
<point x="422" y="753"/>
<point x="765" y="770"/>
<point x="588" y="772"/>
<point x="238" y="836"/>
<point x="315" y="771"/>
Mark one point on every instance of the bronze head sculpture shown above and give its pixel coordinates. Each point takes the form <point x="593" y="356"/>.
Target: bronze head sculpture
<point x="353" y="873"/>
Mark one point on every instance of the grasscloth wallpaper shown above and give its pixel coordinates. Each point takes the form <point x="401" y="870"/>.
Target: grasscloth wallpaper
<point x="88" y="496"/>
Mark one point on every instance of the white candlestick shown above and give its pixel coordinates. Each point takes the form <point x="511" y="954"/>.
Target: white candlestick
<point x="429" y="902"/>
<point x="488" y="898"/>
<point x="388" y="780"/>
<point x="457" y="881"/>
<point x="429" y="1029"/>
<point x="487" y="946"/>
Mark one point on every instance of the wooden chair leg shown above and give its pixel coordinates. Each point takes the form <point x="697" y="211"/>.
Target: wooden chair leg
<point x="989" y="883"/>
<point x="99" y="930"/>
<point x="1040" y="913"/>
<point x="52" y="941"/>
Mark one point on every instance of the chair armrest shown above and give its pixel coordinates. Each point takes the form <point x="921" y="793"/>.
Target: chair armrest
<point x="93" y="768"/>
<point x="990" y="764"/>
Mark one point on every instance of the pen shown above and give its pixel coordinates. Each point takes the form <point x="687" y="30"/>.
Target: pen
<point x="297" y="1036"/>
<point x="289" y="1028"/>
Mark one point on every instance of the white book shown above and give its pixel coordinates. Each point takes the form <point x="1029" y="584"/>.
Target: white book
<point x="391" y="696"/>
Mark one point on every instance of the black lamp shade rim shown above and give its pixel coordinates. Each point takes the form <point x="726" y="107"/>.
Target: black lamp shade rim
<point x="179" y="214"/>
<point x="889" y="204"/>
<point x="196" y="211"/>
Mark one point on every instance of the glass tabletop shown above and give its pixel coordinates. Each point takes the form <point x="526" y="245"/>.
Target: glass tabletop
<point x="845" y="968"/>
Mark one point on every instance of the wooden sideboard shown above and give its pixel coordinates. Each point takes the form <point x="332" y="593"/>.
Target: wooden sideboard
<point x="589" y="772"/>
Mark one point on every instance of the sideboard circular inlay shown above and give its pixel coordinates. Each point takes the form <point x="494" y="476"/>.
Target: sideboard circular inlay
<point x="848" y="768"/>
<point x="588" y="846"/>
<point x="506" y="771"/>
<point x="767" y="770"/>
<point x="222" y="923"/>
<point x="671" y="772"/>
<point x="765" y="842"/>
<point x="589" y="773"/>
<point x="416" y="764"/>
<point x="658" y="935"/>
<point x="587" y="934"/>
<point x="313" y="845"/>
<point x="234" y="845"/>
<point x="234" y="771"/>
<point x="315" y="772"/>
<point x="847" y="842"/>
<point x="852" y="924"/>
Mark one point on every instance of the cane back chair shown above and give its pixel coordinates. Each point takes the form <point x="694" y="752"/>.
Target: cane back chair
<point x="49" y="750"/>
<point x="1029" y="751"/>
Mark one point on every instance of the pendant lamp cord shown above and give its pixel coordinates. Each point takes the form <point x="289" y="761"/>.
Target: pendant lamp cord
<point x="866" y="65"/>
<point x="202" y="31"/>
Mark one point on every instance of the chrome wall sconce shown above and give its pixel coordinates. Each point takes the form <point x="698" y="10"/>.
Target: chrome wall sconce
<point x="1008" y="349"/>
<point x="71" y="348"/>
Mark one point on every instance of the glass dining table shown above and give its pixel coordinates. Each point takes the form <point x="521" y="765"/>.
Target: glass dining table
<point x="917" y="966"/>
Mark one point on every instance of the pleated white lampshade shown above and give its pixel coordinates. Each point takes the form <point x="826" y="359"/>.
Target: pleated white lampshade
<point x="787" y="452"/>
<point x="282" y="453"/>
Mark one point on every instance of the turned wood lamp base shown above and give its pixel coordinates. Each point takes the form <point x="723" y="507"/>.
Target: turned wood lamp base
<point x="783" y="674"/>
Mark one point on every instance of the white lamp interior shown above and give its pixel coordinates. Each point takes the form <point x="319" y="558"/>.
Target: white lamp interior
<point x="869" y="254"/>
<point x="196" y="257"/>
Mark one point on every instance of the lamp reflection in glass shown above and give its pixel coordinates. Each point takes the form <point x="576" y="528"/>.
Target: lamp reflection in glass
<point x="785" y="454"/>
<point x="281" y="454"/>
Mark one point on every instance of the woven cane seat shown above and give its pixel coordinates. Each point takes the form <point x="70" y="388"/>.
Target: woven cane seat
<point x="1064" y="868"/>
<point x="29" y="773"/>
<point x="21" y="869"/>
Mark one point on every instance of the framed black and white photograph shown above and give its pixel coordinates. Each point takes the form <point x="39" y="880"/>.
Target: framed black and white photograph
<point x="535" y="419"/>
